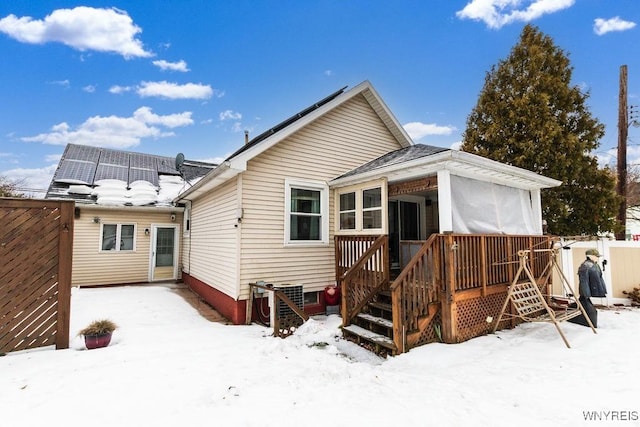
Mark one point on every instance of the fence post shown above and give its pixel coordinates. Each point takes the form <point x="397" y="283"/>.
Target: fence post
<point x="65" y="254"/>
<point x="447" y="301"/>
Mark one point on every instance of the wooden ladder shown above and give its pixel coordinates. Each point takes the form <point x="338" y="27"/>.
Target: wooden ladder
<point x="529" y="303"/>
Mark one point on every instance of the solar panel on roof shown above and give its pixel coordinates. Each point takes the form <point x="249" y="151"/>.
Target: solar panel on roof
<point x="113" y="157"/>
<point x="167" y="165"/>
<point x="82" y="152"/>
<point x="75" y="171"/>
<point x="136" y="174"/>
<point x="143" y="161"/>
<point x="112" y="172"/>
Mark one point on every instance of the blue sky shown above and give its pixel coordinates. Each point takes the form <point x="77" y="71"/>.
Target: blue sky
<point x="190" y="76"/>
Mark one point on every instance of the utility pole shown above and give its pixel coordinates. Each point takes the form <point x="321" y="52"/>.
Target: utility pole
<point x="623" y="129"/>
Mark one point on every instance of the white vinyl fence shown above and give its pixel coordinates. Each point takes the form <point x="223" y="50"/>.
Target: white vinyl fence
<point x="620" y="264"/>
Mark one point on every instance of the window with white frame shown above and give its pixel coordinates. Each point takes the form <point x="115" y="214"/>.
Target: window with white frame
<point x="306" y="212"/>
<point x="372" y="208"/>
<point x="348" y="211"/>
<point x="360" y="209"/>
<point x="118" y="237"/>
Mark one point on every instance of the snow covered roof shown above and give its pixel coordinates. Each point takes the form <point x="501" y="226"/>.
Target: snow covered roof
<point x="102" y="176"/>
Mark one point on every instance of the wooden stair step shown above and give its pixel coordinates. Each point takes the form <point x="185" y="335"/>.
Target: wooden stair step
<point x="381" y="306"/>
<point x="378" y="339"/>
<point x="377" y="320"/>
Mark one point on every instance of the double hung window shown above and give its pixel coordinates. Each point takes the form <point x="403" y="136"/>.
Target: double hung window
<point x="307" y="218"/>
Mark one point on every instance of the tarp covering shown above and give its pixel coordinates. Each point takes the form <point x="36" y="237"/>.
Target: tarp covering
<point x="481" y="207"/>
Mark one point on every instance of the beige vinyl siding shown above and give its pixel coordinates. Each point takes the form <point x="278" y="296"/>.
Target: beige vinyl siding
<point x="185" y="253"/>
<point x="93" y="267"/>
<point x="214" y="236"/>
<point x="163" y="273"/>
<point x="341" y="140"/>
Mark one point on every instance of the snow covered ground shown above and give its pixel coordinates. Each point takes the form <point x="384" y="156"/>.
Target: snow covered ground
<point x="168" y="366"/>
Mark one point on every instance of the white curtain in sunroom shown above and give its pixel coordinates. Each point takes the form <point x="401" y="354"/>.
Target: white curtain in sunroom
<point x="480" y="207"/>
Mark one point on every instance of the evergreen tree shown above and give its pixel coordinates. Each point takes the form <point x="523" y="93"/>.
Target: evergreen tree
<point x="528" y="115"/>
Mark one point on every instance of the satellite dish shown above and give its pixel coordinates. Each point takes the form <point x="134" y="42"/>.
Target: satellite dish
<point x="179" y="161"/>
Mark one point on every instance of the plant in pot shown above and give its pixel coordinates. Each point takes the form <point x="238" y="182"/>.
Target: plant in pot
<point x="98" y="333"/>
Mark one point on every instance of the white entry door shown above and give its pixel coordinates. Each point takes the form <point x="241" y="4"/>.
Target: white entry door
<point x="164" y="252"/>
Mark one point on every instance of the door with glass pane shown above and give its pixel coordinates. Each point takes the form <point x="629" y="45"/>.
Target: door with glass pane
<point x="164" y="253"/>
<point x="404" y="225"/>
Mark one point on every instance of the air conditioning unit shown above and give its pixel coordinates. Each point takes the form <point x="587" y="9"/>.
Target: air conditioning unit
<point x="295" y="293"/>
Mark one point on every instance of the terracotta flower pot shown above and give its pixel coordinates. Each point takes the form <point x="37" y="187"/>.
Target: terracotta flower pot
<point x="97" y="341"/>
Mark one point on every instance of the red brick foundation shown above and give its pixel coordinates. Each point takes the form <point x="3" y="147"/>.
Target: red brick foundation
<point x="235" y="311"/>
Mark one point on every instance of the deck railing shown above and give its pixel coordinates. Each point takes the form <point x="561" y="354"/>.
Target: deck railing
<point x="364" y="278"/>
<point x="415" y="288"/>
<point x="485" y="260"/>
<point x="446" y="269"/>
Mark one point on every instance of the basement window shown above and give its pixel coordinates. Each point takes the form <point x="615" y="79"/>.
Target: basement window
<point x="311" y="298"/>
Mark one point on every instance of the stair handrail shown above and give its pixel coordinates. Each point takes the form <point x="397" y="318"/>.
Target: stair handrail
<point x="413" y="261"/>
<point x="401" y="323"/>
<point x="348" y="313"/>
<point x="365" y="257"/>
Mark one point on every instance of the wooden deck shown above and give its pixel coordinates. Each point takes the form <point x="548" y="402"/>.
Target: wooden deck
<point x="446" y="292"/>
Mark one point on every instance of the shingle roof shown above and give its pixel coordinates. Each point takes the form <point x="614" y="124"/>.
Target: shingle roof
<point x="394" y="157"/>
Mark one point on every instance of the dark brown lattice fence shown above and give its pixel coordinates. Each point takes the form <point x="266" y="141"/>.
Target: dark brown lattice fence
<point x="36" y="243"/>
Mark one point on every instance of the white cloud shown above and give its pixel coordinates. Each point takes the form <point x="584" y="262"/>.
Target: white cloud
<point x="215" y="160"/>
<point x="145" y="115"/>
<point x="32" y="182"/>
<point x="53" y="158"/>
<point x="174" y="91"/>
<point x="230" y="115"/>
<point x="497" y="13"/>
<point x="417" y="130"/>
<point x="82" y="28"/>
<point x="328" y="73"/>
<point x="64" y="83"/>
<point x="171" y="66"/>
<point x="120" y="89"/>
<point x="89" y="88"/>
<point x="604" y="26"/>
<point x="113" y="131"/>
